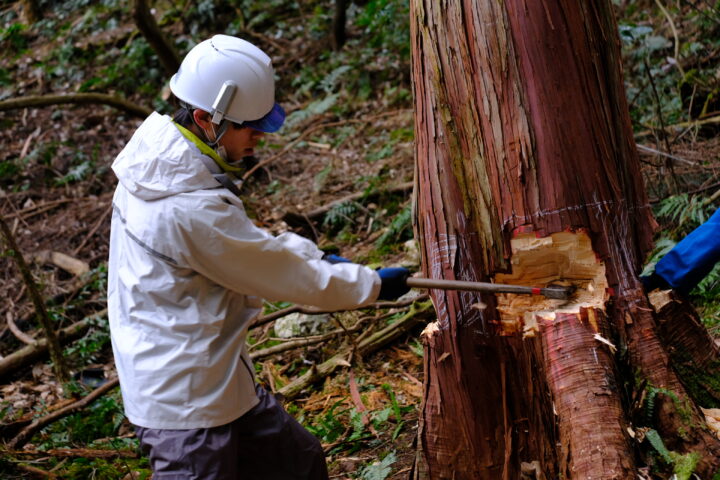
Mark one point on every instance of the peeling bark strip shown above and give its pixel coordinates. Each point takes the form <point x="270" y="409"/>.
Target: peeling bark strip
<point x="584" y="389"/>
<point x="522" y="130"/>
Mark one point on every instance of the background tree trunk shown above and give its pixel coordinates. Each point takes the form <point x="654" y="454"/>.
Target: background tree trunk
<point x="148" y="26"/>
<point x="527" y="173"/>
<point x="30" y="11"/>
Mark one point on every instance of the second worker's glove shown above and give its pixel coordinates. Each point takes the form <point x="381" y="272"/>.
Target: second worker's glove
<point x="653" y="281"/>
<point x="332" y="258"/>
<point x="394" y="282"/>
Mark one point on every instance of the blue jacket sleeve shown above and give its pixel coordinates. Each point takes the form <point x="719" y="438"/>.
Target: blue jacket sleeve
<point x="693" y="258"/>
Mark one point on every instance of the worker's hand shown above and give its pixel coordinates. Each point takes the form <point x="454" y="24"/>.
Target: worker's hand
<point x="653" y="281"/>
<point x="394" y="282"/>
<point x="332" y="258"/>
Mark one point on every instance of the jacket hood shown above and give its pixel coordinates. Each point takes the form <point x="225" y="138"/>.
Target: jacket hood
<point x="159" y="161"/>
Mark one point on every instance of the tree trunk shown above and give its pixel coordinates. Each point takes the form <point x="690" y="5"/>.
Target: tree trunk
<point x="527" y="173"/>
<point x="148" y="26"/>
<point x="30" y="11"/>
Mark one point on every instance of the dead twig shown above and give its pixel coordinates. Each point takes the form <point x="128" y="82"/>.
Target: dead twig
<point x="93" y="230"/>
<point x="59" y="366"/>
<point x="19" y="334"/>
<point x="37" y="209"/>
<point x="26" y="434"/>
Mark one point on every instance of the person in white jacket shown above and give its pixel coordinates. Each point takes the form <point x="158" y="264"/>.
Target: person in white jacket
<point x="188" y="270"/>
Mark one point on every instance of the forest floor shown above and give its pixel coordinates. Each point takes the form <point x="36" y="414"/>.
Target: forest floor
<point x="366" y="412"/>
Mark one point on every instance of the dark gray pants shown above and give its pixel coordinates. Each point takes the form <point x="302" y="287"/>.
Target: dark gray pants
<point x="264" y="444"/>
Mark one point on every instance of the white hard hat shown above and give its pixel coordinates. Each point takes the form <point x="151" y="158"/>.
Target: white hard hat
<point x="231" y="79"/>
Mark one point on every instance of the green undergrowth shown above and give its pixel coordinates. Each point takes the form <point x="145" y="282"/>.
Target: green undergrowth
<point x="670" y="78"/>
<point x="659" y="457"/>
<point x="683" y="465"/>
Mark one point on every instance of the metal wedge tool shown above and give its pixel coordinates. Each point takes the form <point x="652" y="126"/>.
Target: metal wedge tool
<point x="556" y="292"/>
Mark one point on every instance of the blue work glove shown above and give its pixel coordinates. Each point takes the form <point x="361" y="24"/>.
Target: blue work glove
<point x="653" y="281"/>
<point x="393" y="282"/>
<point x="693" y="257"/>
<point x="332" y="258"/>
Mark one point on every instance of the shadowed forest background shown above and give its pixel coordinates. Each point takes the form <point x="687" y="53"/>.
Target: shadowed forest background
<point x="340" y="172"/>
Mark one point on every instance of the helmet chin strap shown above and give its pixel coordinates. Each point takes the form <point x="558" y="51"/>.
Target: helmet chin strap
<point x="222" y="128"/>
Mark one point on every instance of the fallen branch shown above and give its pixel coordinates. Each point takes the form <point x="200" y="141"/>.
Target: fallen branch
<point x="270" y="317"/>
<point x="93" y="230"/>
<point x="32" y="353"/>
<point x="313" y="339"/>
<point x="365" y="347"/>
<point x="76" y="287"/>
<point x="38" y="209"/>
<point x="37" y="472"/>
<point x="681" y="126"/>
<point x="61" y="260"/>
<point x="77" y="99"/>
<point x="666" y="155"/>
<point x="26" y="434"/>
<point x="9" y="430"/>
<point x="293" y="344"/>
<point x="73" y="453"/>
<point x="19" y="334"/>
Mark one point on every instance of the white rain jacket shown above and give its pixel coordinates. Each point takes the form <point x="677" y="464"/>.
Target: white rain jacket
<point x="186" y="273"/>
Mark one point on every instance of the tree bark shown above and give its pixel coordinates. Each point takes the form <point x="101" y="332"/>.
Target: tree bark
<point x="527" y="173"/>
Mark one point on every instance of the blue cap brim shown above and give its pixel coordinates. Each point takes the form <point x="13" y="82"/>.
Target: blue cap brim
<point x="271" y="122"/>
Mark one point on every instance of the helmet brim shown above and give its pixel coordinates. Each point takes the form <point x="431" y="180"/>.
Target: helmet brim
<point x="270" y="123"/>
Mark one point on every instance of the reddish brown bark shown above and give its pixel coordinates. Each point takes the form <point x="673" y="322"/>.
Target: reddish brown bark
<point x="522" y="126"/>
<point x="578" y="375"/>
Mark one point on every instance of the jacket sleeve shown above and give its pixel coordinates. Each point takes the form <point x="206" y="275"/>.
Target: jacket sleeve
<point x="222" y="244"/>
<point x="691" y="260"/>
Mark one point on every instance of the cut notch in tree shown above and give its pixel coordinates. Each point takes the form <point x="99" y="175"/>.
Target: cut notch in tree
<point x="562" y="258"/>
